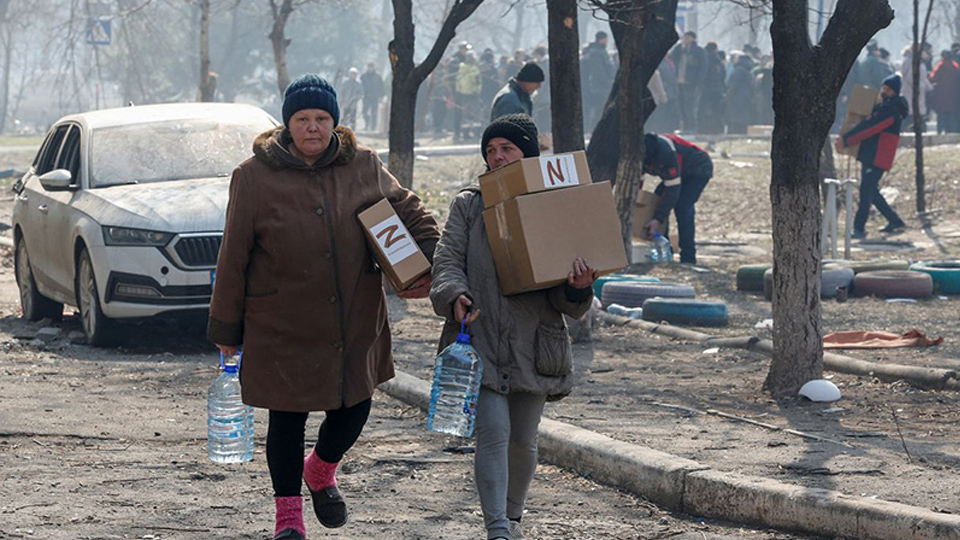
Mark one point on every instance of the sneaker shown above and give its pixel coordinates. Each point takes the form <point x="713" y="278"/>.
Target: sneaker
<point x="858" y="235"/>
<point x="516" y="530"/>
<point x="894" y="227"/>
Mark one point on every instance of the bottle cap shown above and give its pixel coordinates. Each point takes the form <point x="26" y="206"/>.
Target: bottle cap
<point x="464" y="335"/>
<point x="231" y="367"/>
<point x="657" y="235"/>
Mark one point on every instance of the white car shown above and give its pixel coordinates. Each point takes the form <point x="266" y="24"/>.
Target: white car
<point x="122" y="212"/>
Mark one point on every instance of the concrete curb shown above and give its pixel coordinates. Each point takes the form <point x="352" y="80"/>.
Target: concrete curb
<point x="684" y="485"/>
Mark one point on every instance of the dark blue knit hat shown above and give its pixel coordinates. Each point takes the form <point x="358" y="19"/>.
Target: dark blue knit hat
<point x="517" y="128"/>
<point x="894" y="82"/>
<point x="310" y="91"/>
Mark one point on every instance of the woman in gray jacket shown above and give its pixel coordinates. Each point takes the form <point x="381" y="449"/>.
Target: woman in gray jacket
<point x="522" y="338"/>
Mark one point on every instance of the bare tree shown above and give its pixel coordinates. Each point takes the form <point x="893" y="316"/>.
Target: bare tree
<point x="807" y="81"/>
<point x="408" y="76"/>
<point x="918" y="121"/>
<point x="644" y="32"/>
<point x="6" y="39"/>
<point x="566" y="100"/>
<point x="281" y="13"/>
<point x="208" y="82"/>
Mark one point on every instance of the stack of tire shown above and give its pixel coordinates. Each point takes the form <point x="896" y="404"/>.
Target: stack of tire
<point x="886" y="279"/>
<point x="945" y="275"/>
<point x="832" y="277"/>
<point x="674" y="303"/>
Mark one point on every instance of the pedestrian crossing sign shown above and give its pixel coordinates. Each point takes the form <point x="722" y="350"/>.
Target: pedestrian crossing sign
<point x="98" y="31"/>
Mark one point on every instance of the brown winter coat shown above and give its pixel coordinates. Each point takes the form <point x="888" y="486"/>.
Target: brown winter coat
<point x="522" y="339"/>
<point x="296" y="283"/>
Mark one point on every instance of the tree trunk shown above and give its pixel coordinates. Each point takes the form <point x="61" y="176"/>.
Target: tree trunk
<point x="807" y="81"/>
<point x="407" y="78"/>
<point x="918" y="120"/>
<point x="603" y="152"/>
<point x="208" y="83"/>
<point x="280" y="43"/>
<point x="6" y="34"/>
<point x="566" y="106"/>
<point x="518" y="25"/>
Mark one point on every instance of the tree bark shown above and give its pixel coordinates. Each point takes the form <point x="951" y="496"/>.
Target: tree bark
<point x="407" y="78"/>
<point x="918" y="121"/>
<point x="281" y="13"/>
<point x="807" y="81"/>
<point x="208" y="83"/>
<point x="566" y="101"/>
<point x="6" y="37"/>
<point x="603" y="152"/>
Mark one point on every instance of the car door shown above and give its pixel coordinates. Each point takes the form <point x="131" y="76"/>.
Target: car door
<point x="32" y="204"/>
<point x="58" y="220"/>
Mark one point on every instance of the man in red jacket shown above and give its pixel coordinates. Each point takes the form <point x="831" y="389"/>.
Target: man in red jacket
<point x="878" y="136"/>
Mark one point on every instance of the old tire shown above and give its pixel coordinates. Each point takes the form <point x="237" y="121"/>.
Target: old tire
<point x="34" y="305"/>
<point x="684" y="311"/>
<point x="750" y="277"/>
<point x="634" y="294"/>
<point x="600" y="281"/>
<point x="831" y="278"/>
<point x="945" y="274"/>
<point x="893" y="284"/>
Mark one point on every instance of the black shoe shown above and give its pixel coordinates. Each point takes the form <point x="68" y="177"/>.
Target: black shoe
<point x="858" y="235"/>
<point x="894" y="227"/>
<point x="288" y="534"/>
<point x="329" y="506"/>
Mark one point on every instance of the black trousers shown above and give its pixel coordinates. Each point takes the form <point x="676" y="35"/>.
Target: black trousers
<point x="870" y="196"/>
<point x="285" y="435"/>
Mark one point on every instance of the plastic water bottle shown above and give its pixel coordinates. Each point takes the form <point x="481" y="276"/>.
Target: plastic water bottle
<point x="229" y="421"/>
<point x="660" y="250"/>
<point x="632" y="313"/>
<point x="456" y="387"/>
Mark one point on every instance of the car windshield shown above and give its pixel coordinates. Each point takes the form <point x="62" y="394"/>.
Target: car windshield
<point x="171" y="150"/>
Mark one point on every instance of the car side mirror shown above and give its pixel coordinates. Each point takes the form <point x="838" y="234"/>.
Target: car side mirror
<point x="57" y="180"/>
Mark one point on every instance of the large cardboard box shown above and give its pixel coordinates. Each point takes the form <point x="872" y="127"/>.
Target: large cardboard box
<point x="535" y="238"/>
<point x="851" y="120"/>
<point x="643" y="213"/>
<point x="393" y="246"/>
<point x="531" y="175"/>
<point x="862" y="100"/>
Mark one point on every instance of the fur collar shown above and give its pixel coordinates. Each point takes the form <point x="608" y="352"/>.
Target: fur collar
<point x="270" y="147"/>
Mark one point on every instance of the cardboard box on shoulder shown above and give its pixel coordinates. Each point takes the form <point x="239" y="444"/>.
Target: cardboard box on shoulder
<point x="531" y="175"/>
<point x="393" y="246"/>
<point x="862" y="100"/>
<point x="535" y="238"/>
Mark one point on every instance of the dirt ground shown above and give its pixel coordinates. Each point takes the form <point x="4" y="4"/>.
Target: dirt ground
<point x="109" y="443"/>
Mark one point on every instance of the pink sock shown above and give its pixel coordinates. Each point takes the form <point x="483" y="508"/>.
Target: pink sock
<point x="318" y="473"/>
<point x="289" y="514"/>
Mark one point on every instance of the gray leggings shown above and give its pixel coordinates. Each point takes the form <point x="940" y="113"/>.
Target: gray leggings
<point x="506" y="455"/>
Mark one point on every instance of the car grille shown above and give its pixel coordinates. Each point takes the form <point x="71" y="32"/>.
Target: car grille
<point x="198" y="251"/>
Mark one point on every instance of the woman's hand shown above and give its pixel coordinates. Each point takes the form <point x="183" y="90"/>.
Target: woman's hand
<point x="228" y="350"/>
<point x="582" y="275"/>
<point x="461" y="310"/>
<point x="419" y="289"/>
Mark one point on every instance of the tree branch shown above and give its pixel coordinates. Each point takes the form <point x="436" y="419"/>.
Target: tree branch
<point x="458" y="13"/>
<point x="853" y="24"/>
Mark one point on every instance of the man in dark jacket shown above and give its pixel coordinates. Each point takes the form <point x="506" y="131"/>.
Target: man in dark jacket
<point x="372" y="94"/>
<point x="878" y="137"/>
<point x="514" y="97"/>
<point x="872" y="70"/>
<point x="596" y="78"/>
<point x="684" y="170"/>
<point x="690" y="60"/>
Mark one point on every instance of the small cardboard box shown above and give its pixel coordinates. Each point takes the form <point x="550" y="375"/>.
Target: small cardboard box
<point x="530" y="175"/>
<point x="862" y="100"/>
<point x="393" y="246"/>
<point x="851" y="120"/>
<point x="643" y="213"/>
<point x="535" y="238"/>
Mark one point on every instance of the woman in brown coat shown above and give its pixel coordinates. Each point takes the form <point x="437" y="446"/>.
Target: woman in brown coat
<point x="521" y="339"/>
<point x="298" y="289"/>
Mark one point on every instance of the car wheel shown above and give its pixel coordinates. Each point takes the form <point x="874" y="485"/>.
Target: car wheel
<point x="35" y="306"/>
<point x="96" y="325"/>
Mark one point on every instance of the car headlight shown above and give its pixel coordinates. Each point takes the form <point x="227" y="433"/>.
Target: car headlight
<point x="121" y="236"/>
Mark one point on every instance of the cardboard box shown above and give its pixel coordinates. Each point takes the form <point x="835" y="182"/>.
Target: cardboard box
<point x="643" y="213"/>
<point x="531" y="175"/>
<point x="851" y="120"/>
<point x="393" y="246"/>
<point x="535" y="238"/>
<point x="862" y="100"/>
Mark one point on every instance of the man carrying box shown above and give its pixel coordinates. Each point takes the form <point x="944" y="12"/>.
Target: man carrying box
<point x="684" y="170"/>
<point x="878" y="137"/>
